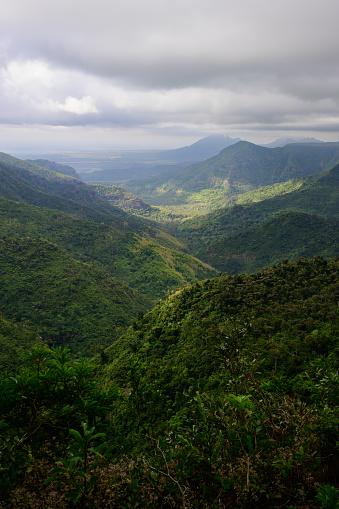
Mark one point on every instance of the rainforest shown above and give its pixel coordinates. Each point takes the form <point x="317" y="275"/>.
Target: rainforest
<point x="169" y="337"/>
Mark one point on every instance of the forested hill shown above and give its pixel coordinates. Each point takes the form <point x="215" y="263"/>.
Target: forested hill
<point x="318" y="195"/>
<point x="66" y="302"/>
<point x="284" y="316"/>
<point x="289" y="235"/>
<point x="239" y="168"/>
<point x="116" y="264"/>
<point x="233" y="375"/>
<point x="30" y="166"/>
<point x="51" y="165"/>
<point x="225" y="395"/>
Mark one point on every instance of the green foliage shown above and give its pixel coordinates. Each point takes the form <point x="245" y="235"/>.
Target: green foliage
<point x="16" y="339"/>
<point x="276" y="311"/>
<point x="288" y="236"/>
<point x="58" y="168"/>
<point x="243" y="167"/>
<point x="228" y="398"/>
<point x="150" y="262"/>
<point x="42" y="403"/>
<point x="67" y="302"/>
<point x="328" y="496"/>
<point x="30" y="166"/>
<point x="74" y="477"/>
<point x="318" y="195"/>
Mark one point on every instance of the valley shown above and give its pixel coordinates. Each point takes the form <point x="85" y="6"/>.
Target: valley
<point x="178" y="312"/>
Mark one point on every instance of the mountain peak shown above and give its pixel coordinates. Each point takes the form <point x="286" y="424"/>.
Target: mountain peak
<point x="281" y="142"/>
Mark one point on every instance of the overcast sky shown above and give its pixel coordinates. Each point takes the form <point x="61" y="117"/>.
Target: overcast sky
<point x="164" y="73"/>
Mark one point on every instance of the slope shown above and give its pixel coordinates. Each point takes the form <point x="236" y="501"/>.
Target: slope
<point x="16" y="339"/>
<point x="66" y="302"/>
<point x="89" y="202"/>
<point x="64" y="169"/>
<point x="317" y="195"/>
<point x="225" y="395"/>
<point x="238" y="169"/>
<point x="288" y="236"/>
<point x="202" y="149"/>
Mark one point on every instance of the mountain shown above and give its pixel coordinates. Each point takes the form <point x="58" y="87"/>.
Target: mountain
<point x="202" y="149"/>
<point x="19" y="164"/>
<point x="303" y="222"/>
<point x="59" y="168"/>
<point x="233" y="379"/>
<point x="281" y="142"/>
<point x="66" y="302"/>
<point x="159" y="162"/>
<point x="121" y="171"/>
<point x="225" y="395"/>
<point x="183" y="332"/>
<point x="242" y="167"/>
<point x="72" y="216"/>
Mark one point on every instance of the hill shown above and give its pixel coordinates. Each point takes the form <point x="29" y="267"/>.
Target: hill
<point x="66" y="302"/>
<point x="149" y="263"/>
<point x="19" y="164"/>
<point x="58" y="168"/>
<point x="289" y="236"/>
<point x="285" y="140"/>
<point x="234" y="365"/>
<point x="73" y="216"/>
<point x="178" y="339"/>
<point x="225" y="395"/>
<point x="202" y="149"/>
<point x="318" y="195"/>
<point x="112" y="167"/>
<point x="242" y="167"/>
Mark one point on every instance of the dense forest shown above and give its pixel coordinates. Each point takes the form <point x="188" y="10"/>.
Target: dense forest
<point x="183" y="362"/>
<point x="225" y="395"/>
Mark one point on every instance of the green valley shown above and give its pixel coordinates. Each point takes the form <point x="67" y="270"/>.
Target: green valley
<point x="238" y="169"/>
<point x="154" y="360"/>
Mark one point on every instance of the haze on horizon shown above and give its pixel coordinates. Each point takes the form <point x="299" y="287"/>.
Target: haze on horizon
<point x="164" y="73"/>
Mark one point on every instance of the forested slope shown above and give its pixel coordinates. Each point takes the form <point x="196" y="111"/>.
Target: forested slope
<point x="240" y="168"/>
<point x="318" y="195"/>
<point x="289" y="235"/>
<point x="225" y="395"/>
<point x="66" y="302"/>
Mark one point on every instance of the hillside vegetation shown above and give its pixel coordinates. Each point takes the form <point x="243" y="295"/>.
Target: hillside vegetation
<point x="318" y="195"/>
<point x="62" y="228"/>
<point x="238" y="169"/>
<point x="225" y="395"/>
<point x="66" y="302"/>
<point x="287" y="236"/>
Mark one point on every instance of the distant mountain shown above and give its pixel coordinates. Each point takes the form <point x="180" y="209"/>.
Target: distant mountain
<point x="203" y="149"/>
<point x="281" y="142"/>
<point x="157" y="162"/>
<point x="242" y="167"/>
<point x="59" y="168"/>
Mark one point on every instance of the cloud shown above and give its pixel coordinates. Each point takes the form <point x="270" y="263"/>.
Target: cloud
<point x="73" y="105"/>
<point x="212" y="64"/>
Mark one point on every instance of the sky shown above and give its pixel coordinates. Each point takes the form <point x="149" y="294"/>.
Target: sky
<point x="124" y="74"/>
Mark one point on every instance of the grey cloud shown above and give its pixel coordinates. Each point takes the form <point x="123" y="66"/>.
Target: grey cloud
<point x="150" y="62"/>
